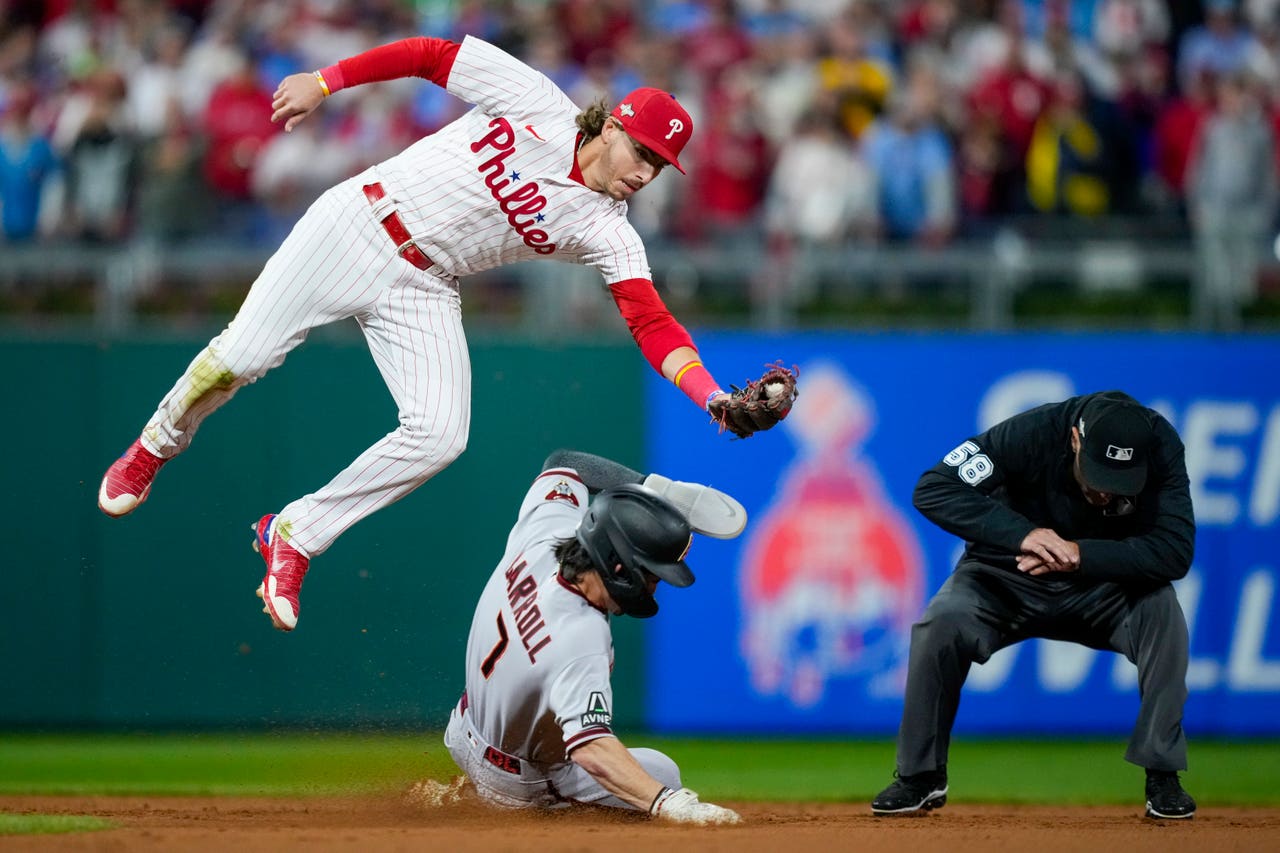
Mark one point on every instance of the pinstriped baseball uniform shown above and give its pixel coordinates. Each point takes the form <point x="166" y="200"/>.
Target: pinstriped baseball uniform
<point x="492" y="188"/>
<point x="537" y="667"/>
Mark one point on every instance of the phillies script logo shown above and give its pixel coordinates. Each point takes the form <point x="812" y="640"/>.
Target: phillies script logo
<point x="526" y="200"/>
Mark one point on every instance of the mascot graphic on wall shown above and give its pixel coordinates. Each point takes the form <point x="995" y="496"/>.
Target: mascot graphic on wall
<point x="832" y="576"/>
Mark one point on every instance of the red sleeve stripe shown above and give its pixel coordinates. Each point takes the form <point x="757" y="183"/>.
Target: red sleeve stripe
<point x="559" y="472"/>
<point x="651" y="324"/>
<point x="429" y="58"/>
<point x="585" y="735"/>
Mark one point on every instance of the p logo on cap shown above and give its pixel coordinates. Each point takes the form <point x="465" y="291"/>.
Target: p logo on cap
<point x="656" y="120"/>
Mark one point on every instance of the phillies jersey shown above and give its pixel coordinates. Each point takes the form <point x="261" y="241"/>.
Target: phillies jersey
<point x="494" y="186"/>
<point x="539" y="654"/>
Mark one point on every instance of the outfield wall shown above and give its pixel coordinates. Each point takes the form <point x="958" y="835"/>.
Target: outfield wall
<point x="151" y="620"/>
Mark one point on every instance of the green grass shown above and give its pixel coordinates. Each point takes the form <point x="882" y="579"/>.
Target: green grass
<point x="255" y="764"/>
<point x="46" y="824"/>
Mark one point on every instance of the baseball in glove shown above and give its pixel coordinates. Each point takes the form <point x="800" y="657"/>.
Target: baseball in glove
<point x="760" y="404"/>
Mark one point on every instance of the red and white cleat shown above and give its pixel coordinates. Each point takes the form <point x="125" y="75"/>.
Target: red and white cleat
<point x="128" y="480"/>
<point x="286" y="568"/>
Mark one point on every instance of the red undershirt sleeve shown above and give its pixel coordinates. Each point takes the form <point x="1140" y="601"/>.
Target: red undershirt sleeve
<point x="656" y="332"/>
<point x="421" y="56"/>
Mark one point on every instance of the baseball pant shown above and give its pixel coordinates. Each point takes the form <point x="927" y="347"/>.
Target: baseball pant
<point x="538" y="786"/>
<point x="981" y="609"/>
<point x="338" y="263"/>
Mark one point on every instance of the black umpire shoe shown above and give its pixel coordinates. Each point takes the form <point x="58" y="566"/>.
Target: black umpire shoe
<point x="1166" y="798"/>
<point x="907" y="794"/>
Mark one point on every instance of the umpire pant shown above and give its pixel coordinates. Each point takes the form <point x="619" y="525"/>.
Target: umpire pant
<point x="982" y="609"/>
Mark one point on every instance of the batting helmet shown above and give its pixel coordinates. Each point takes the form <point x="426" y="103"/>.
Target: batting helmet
<point x="630" y="530"/>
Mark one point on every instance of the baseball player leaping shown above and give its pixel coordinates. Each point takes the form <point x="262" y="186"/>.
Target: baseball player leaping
<point x="533" y="728"/>
<point x="523" y="175"/>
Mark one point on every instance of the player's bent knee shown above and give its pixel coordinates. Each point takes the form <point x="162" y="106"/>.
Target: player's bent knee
<point x="659" y="765"/>
<point x="941" y="624"/>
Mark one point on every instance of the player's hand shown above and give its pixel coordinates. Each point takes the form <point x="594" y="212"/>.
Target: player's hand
<point x="683" y="806"/>
<point x="1044" y="551"/>
<point x="295" y="99"/>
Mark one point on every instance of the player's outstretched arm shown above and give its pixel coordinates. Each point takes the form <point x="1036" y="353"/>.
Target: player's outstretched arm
<point x="299" y="94"/>
<point x="615" y="768"/>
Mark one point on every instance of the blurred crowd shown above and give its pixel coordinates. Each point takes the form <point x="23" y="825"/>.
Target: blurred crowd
<point x="818" y="121"/>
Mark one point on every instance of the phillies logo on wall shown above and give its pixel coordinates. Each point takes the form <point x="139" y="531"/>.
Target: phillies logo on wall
<point x="832" y="576"/>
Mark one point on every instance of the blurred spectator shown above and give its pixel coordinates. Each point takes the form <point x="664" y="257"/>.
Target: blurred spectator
<point x="1221" y="45"/>
<point x="1231" y="197"/>
<point x="927" y="21"/>
<point x="978" y="162"/>
<point x="822" y="195"/>
<point x="731" y="166"/>
<point x="294" y="168"/>
<point x="821" y="192"/>
<point x="157" y="84"/>
<point x="771" y="20"/>
<point x="786" y="84"/>
<point x="859" y="82"/>
<point x="914" y="164"/>
<point x="212" y="58"/>
<point x="237" y="121"/>
<point x="1072" y="162"/>
<point x="100" y="166"/>
<point x="1126" y="27"/>
<point x="677" y="18"/>
<point x="604" y="76"/>
<point x="548" y="52"/>
<point x="716" y="45"/>
<point x="1077" y="16"/>
<point x="1072" y="53"/>
<point x="27" y="162"/>
<point x="1143" y="98"/>
<point x="592" y="26"/>
<point x="869" y="18"/>
<point x="173" y="200"/>
<point x="1011" y="97"/>
<point x="1176" y="129"/>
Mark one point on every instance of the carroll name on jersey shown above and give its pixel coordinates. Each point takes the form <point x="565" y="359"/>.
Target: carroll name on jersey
<point x="522" y="594"/>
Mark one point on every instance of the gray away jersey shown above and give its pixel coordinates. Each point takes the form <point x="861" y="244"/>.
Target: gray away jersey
<point x="539" y="654"/>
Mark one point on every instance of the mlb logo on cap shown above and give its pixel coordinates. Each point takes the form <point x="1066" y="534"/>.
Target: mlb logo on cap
<point x="1115" y="439"/>
<point x="656" y="120"/>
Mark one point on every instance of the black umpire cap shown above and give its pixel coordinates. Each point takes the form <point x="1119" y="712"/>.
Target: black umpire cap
<point x="1115" y="443"/>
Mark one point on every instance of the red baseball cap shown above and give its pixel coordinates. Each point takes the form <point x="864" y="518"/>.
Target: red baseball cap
<point x="656" y="120"/>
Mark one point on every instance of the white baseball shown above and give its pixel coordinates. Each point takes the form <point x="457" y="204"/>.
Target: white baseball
<point x="773" y="390"/>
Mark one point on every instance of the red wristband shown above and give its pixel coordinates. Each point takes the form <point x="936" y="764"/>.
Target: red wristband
<point x="697" y="383"/>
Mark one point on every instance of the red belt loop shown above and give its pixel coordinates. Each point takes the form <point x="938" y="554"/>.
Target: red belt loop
<point x="405" y="247"/>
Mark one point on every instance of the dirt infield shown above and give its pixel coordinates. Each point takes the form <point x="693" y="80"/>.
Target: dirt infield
<point x="379" y="825"/>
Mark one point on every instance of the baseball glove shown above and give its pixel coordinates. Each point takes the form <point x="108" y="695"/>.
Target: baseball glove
<point x="760" y="404"/>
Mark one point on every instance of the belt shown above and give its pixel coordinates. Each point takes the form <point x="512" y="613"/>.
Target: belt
<point x="405" y="247"/>
<point x="496" y="757"/>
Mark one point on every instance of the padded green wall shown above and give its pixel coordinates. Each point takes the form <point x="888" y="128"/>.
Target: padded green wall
<point x="150" y="621"/>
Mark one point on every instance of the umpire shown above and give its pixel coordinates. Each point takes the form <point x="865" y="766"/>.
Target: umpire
<point x="1077" y="517"/>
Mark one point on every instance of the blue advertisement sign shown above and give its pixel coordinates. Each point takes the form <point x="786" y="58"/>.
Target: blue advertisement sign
<point x="802" y="624"/>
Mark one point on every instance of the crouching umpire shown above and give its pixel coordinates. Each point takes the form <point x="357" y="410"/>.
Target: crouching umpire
<point x="1077" y="517"/>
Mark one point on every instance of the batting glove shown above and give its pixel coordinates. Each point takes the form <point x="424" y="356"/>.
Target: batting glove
<point x="683" y="806"/>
